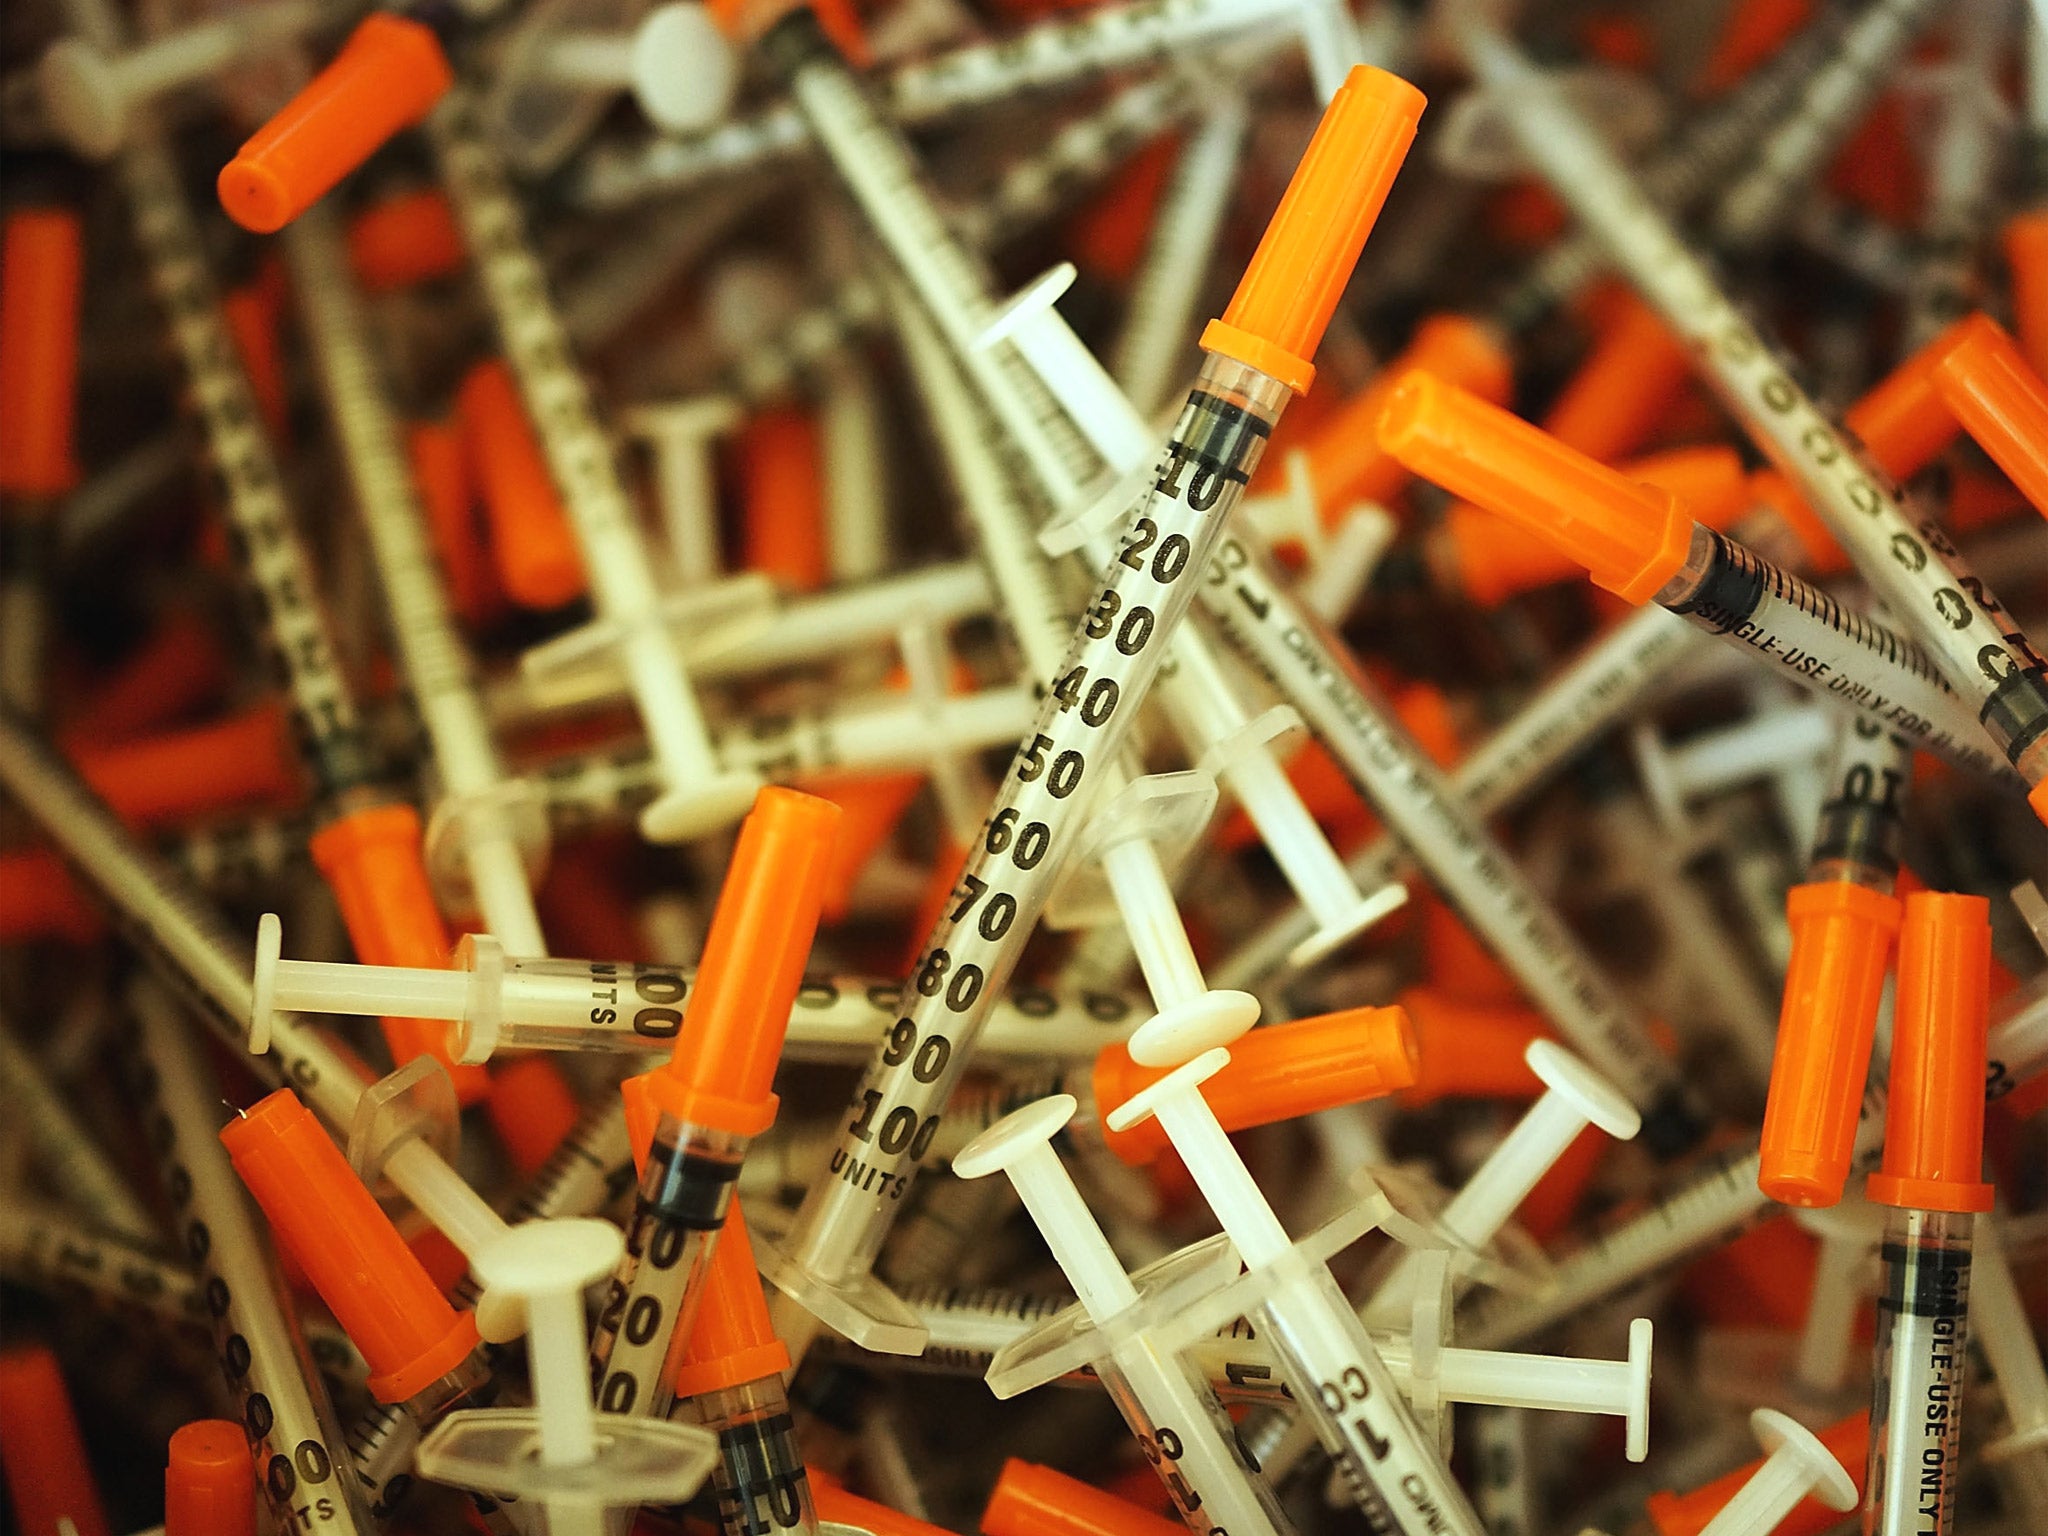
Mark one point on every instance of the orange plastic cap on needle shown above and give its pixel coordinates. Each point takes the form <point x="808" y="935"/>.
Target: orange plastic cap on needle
<point x="42" y="264"/>
<point x="48" y="1478"/>
<point x="1345" y="461"/>
<point x="1902" y="422"/>
<point x="338" y="1234"/>
<point x="1630" y="537"/>
<point x="782" y="496"/>
<point x="532" y="1108"/>
<point x="732" y="1342"/>
<point x="2000" y="401"/>
<point x="210" y="1484"/>
<point x="1275" y="320"/>
<point x="173" y="775"/>
<point x="1031" y="1500"/>
<point x="539" y="563"/>
<point x="406" y="240"/>
<point x="1276" y="1073"/>
<point x="2025" y="240"/>
<point x="373" y="862"/>
<point x="722" y="1071"/>
<point x="439" y="456"/>
<point x="1471" y="1050"/>
<point x="1841" y="940"/>
<point x="387" y="77"/>
<point x="1630" y="378"/>
<point x="1934" y="1122"/>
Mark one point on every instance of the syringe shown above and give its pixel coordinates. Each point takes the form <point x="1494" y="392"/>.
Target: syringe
<point x="1574" y="705"/>
<point x="1829" y="104"/>
<point x="423" y="1355"/>
<point x="696" y="1114"/>
<point x="49" y="1247"/>
<point x="1933" y="1156"/>
<point x="1345" y="1388"/>
<point x="1180" y="1425"/>
<point x="1910" y="562"/>
<point x="876" y="734"/>
<point x="493" y="822"/>
<point x="1276" y="317"/>
<point x="970" y="1328"/>
<point x="699" y="795"/>
<point x="369" y="850"/>
<point x="309" y="1482"/>
<point x="497" y="1002"/>
<point x="1278" y="1073"/>
<point x="1057" y="51"/>
<point x="1644" y="545"/>
<point x="1842" y="917"/>
<point x="728" y="1377"/>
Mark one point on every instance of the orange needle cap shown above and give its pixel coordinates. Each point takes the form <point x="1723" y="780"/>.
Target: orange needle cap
<point x="723" y="1069"/>
<point x="732" y="1341"/>
<point x="403" y="240"/>
<point x="1934" y="1122"/>
<point x="1276" y="1073"/>
<point x="1276" y="318"/>
<point x="48" y="1479"/>
<point x="373" y="862"/>
<point x="210" y="1484"/>
<point x="1841" y="939"/>
<point x="539" y="562"/>
<point x="387" y="77"/>
<point x="1630" y="538"/>
<point x="334" y="1229"/>
<point x="2001" y="402"/>
<point x="2026" y="252"/>
<point x="1030" y="1500"/>
<point x="1345" y="461"/>
<point x="42" y="264"/>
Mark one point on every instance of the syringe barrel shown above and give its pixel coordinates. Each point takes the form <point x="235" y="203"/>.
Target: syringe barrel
<point x="1923" y="1314"/>
<point x="1186" y="1435"/>
<point x="968" y="959"/>
<point x="759" y="1478"/>
<point x="1393" y="1471"/>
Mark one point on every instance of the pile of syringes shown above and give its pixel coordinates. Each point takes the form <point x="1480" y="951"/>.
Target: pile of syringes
<point x="1033" y="767"/>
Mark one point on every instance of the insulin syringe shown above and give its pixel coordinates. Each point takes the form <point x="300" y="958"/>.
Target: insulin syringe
<point x="1059" y="51"/>
<point x="1644" y="544"/>
<point x="1277" y="316"/>
<point x="495" y="824"/>
<point x="1342" y="1384"/>
<point x="699" y="794"/>
<point x="1180" y="1423"/>
<point x="499" y="1002"/>
<point x="695" y="1115"/>
<point x="1909" y="561"/>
